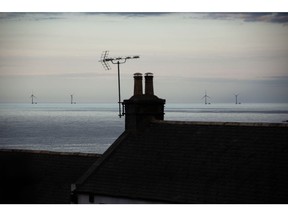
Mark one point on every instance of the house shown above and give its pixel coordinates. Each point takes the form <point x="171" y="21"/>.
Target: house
<point x="40" y="177"/>
<point x="158" y="161"/>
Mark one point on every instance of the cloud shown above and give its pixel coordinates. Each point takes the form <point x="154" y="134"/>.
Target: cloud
<point x="281" y="18"/>
<point x="128" y="14"/>
<point x="267" y="17"/>
<point x="42" y="16"/>
<point x="35" y="16"/>
<point x="278" y="79"/>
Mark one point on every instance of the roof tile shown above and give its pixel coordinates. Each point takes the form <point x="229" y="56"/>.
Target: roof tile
<point x="192" y="162"/>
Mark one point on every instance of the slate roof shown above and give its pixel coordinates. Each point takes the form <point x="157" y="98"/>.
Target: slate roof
<point x="195" y="162"/>
<point x="40" y="176"/>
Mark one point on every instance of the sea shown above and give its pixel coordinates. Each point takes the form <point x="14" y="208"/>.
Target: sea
<point x="92" y="128"/>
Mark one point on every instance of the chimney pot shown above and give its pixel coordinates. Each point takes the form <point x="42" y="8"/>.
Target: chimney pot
<point x="149" y="90"/>
<point x="140" y="110"/>
<point x="138" y="84"/>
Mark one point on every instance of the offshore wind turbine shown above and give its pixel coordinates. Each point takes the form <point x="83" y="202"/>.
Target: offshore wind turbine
<point x="72" y="102"/>
<point x="206" y="96"/>
<point x="32" y="98"/>
<point x="236" y="99"/>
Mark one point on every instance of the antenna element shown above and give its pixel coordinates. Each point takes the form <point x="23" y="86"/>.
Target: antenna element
<point x="119" y="60"/>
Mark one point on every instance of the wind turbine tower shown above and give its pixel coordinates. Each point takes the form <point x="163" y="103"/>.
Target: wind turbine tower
<point x="206" y="96"/>
<point x="32" y="98"/>
<point x="72" y="102"/>
<point x="236" y="98"/>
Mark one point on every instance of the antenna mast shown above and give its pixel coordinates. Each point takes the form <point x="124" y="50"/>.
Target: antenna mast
<point x="119" y="60"/>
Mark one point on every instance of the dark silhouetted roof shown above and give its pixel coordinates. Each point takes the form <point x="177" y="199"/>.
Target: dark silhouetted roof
<point x="40" y="176"/>
<point x="195" y="162"/>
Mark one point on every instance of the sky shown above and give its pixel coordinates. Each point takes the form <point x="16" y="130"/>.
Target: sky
<point x="54" y="55"/>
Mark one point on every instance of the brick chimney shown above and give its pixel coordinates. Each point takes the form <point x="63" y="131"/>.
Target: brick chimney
<point x="141" y="108"/>
<point x="138" y="84"/>
<point x="149" y="90"/>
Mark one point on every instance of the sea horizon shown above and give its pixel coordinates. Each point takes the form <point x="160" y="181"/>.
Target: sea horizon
<point x="93" y="127"/>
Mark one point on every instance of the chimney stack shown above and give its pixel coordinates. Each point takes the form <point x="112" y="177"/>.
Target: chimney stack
<point x="138" y="84"/>
<point x="141" y="108"/>
<point x="149" y="90"/>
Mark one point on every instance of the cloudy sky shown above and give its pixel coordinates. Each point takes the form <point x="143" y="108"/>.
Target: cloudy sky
<point x="53" y="55"/>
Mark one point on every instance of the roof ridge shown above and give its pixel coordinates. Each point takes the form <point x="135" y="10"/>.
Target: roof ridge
<point x="249" y="124"/>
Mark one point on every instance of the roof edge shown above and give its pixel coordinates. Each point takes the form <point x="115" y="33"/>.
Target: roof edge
<point x="160" y="201"/>
<point x="99" y="161"/>
<point x="50" y="152"/>
<point x="246" y="124"/>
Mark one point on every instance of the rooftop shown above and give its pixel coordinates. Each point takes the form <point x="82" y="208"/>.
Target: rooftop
<point x="40" y="176"/>
<point x="195" y="162"/>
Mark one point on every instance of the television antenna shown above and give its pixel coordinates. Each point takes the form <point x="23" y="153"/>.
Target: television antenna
<point x="119" y="60"/>
<point x="206" y="96"/>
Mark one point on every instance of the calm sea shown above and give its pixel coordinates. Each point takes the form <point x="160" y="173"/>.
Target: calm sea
<point x="92" y="128"/>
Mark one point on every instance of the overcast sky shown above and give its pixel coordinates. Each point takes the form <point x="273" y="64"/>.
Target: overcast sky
<point x="53" y="55"/>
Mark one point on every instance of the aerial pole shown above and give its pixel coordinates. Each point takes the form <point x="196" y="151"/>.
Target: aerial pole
<point x="119" y="60"/>
<point x="119" y="92"/>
